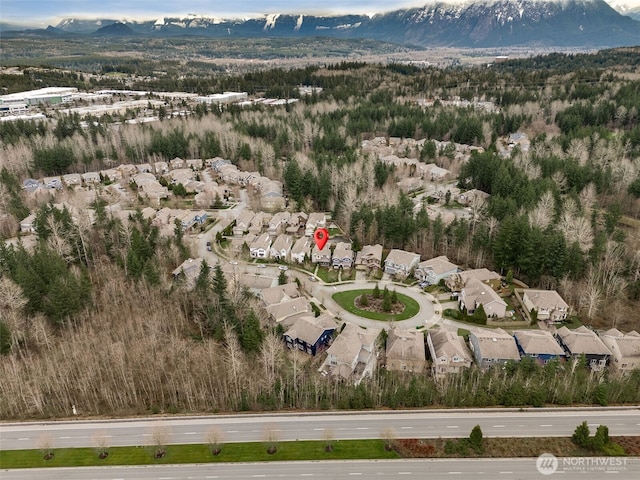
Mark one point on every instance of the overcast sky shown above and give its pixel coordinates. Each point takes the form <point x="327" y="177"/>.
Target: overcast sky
<point x="32" y="11"/>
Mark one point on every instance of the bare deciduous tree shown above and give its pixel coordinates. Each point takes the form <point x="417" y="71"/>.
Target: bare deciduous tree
<point x="271" y="438"/>
<point x="160" y="435"/>
<point x="44" y="443"/>
<point x="214" y="438"/>
<point x="101" y="444"/>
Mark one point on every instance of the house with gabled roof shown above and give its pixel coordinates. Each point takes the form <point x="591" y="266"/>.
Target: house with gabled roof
<point x="548" y="304"/>
<point x="260" y="247"/>
<point x="405" y="351"/>
<point x="493" y="347"/>
<point x="188" y="271"/>
<point x="310" y="334"/>
<point x="278" y="223"/>
<point x="476" y="293"/>
<point x="91" y="178"/>
<point x="352" y="357"/>
<point x="435" y="269"/>
<point x="315" y="220"/>
<point x="473" y="197"/>
<point x="370" y="257"/>
<point x="72" y="179"/>
<point x="400" y="262"/>
<point x="323" y="257"/>
<point x="281" y="247"/>
<point x="539" y="345"/>
<point x="342" y="256"/>
<point x="243" y="222"/>
<point x="258" y="222"/>
<point x="176" y="163"/>
<point x="625" y="349"/>
<point x="448" y="351"/>
<point x="583" y="341"/>
<point x="28" y="225"/>
<point x="457" y="281"/>
<point x="301" y="249"/>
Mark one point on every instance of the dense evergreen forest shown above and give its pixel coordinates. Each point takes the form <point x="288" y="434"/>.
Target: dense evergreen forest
<point x="89" y="318"/>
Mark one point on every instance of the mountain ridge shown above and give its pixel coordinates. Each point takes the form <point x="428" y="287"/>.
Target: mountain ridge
<point x="480" y="23"/>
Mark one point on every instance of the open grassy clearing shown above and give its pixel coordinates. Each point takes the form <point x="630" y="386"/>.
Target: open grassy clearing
<point x="347" y="301"/>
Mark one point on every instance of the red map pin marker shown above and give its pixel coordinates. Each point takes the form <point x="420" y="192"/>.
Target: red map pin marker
<point x="321" y="236"/>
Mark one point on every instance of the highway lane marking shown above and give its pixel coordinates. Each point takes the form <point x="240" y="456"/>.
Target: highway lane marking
<point x="455" y="473"/>
<point x="362" y="428"/>
<point x="405" y="428"/>
<point x="318" y="429"/>
<point x="259" y="476"/>
<point x="355" y="473"/>
<point x="65" y="438"/>
<point x="190" y="433"/>
<point x="306" y="474"/>
<point x="506" y="473"/>
<point x="498" y="426"/>
<point x="453" y="426"/>
<point x="404" y="473"/>
<point x="23" y="438"/>
<point x="212" y="476"/>
<point x="235" y="431"/>
<point x="546" y="425"/>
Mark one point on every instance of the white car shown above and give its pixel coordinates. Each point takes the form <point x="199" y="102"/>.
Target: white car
<point x="283" y="267"/>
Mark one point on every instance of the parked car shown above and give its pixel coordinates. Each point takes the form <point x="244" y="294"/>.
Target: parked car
<point x="313" y="278"/>
<point x="209" y="246"/>
<point x="283" y="267"/>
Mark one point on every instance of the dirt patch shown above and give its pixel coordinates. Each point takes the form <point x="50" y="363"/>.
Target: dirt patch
<point x="508" y="447"/>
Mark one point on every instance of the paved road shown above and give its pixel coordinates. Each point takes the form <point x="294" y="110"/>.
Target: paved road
<point x="490" y="469"/>
<point x="346" y="425"/>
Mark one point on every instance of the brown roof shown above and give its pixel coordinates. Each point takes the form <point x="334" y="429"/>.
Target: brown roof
<point x="496" y="343"/>
<point x="448" y="344"/>
<point x="546" y="299"/>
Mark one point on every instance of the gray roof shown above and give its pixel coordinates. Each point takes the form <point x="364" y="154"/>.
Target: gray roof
<point x="405" y="345"/>
<point x="538" y="342"/>
<point x="582" y="340"/>
<point x="309" y="329"/>
<point x="496" y="343"/>
<point x="628" y="345"/>
<point x="448" y="344"/>
<point x="546" y="299"/>
<point x="402" y="257"/>
<point x="438" y="265"/>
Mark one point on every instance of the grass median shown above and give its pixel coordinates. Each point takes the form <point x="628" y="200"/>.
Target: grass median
<point x="199" y="453"/>
<point x="347" y="300"/>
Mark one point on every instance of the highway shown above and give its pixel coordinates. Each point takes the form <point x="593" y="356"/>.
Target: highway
<point x="314" y="426"/>
<point x="507" y="469"/>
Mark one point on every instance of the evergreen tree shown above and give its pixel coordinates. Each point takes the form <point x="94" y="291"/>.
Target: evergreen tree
<point x="581" y="435"/>
<point x="376" y="292"/>
<point x="475" y="438"/>
<point x="5" y="338"/>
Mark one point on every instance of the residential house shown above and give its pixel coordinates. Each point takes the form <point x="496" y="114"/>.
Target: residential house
<point x="194" y="164"/>
<point x="28" y="224"/>
<point x="145" y="168"/>
<point x="473" y="197"/>
<point x="176" y="163"/>
<point x="188" y="271"/>
<point x="315" y="220"/>
<point x="126" y="170"/>
<point x="436" y="173"/>
<point x="410" y="184"/>
<point x="405" y="351"/>
<point x="271" y="196"/>
<point x="342" y="255"/>
<point x="449" y="353"/>
<point x="582" y="341"/>
<point x="493" y="347"/>
<point x="258" y="223"/>
<point x="181" y="175"/>
<point x="401" y="262"/>
<point x="548" y="304"/>
<point x="311" y="335"/>
<point x="285" y="304"/>
<point x="435" y="269"/>
<point x="281" y="247"/>
<point x="300" y="250"/>
<point x="242" y="222"/>
<point x="31" y="185"/>
<point x="161" y="168"/>
<point x="91" y="178"/>
<point x="278" y="223"/>
<point x="72" y="179"/>
<point x="370" y="257"/>
<point x="259" y="248"/>
<point x="297" y="221"/>
<point x="476" y="293"/>
<point x="217" y="163"/>
<point x="625" y="349"/>
<point x="457" y="281"/>
<point x="323" y="257"/>
<point x="111" y="174"/>
<point x="52" y="182"/>
<point x="539" y="345"/>
<point x="352" y="356"/>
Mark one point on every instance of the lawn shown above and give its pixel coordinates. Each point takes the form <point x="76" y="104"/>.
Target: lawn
<point x="232" y="452"/>
<point x="347" y="301"/>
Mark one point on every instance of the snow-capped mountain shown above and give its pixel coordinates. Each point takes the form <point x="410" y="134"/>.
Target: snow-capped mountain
<point x="481" y="23"/>
<point x="624" y="9"/>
